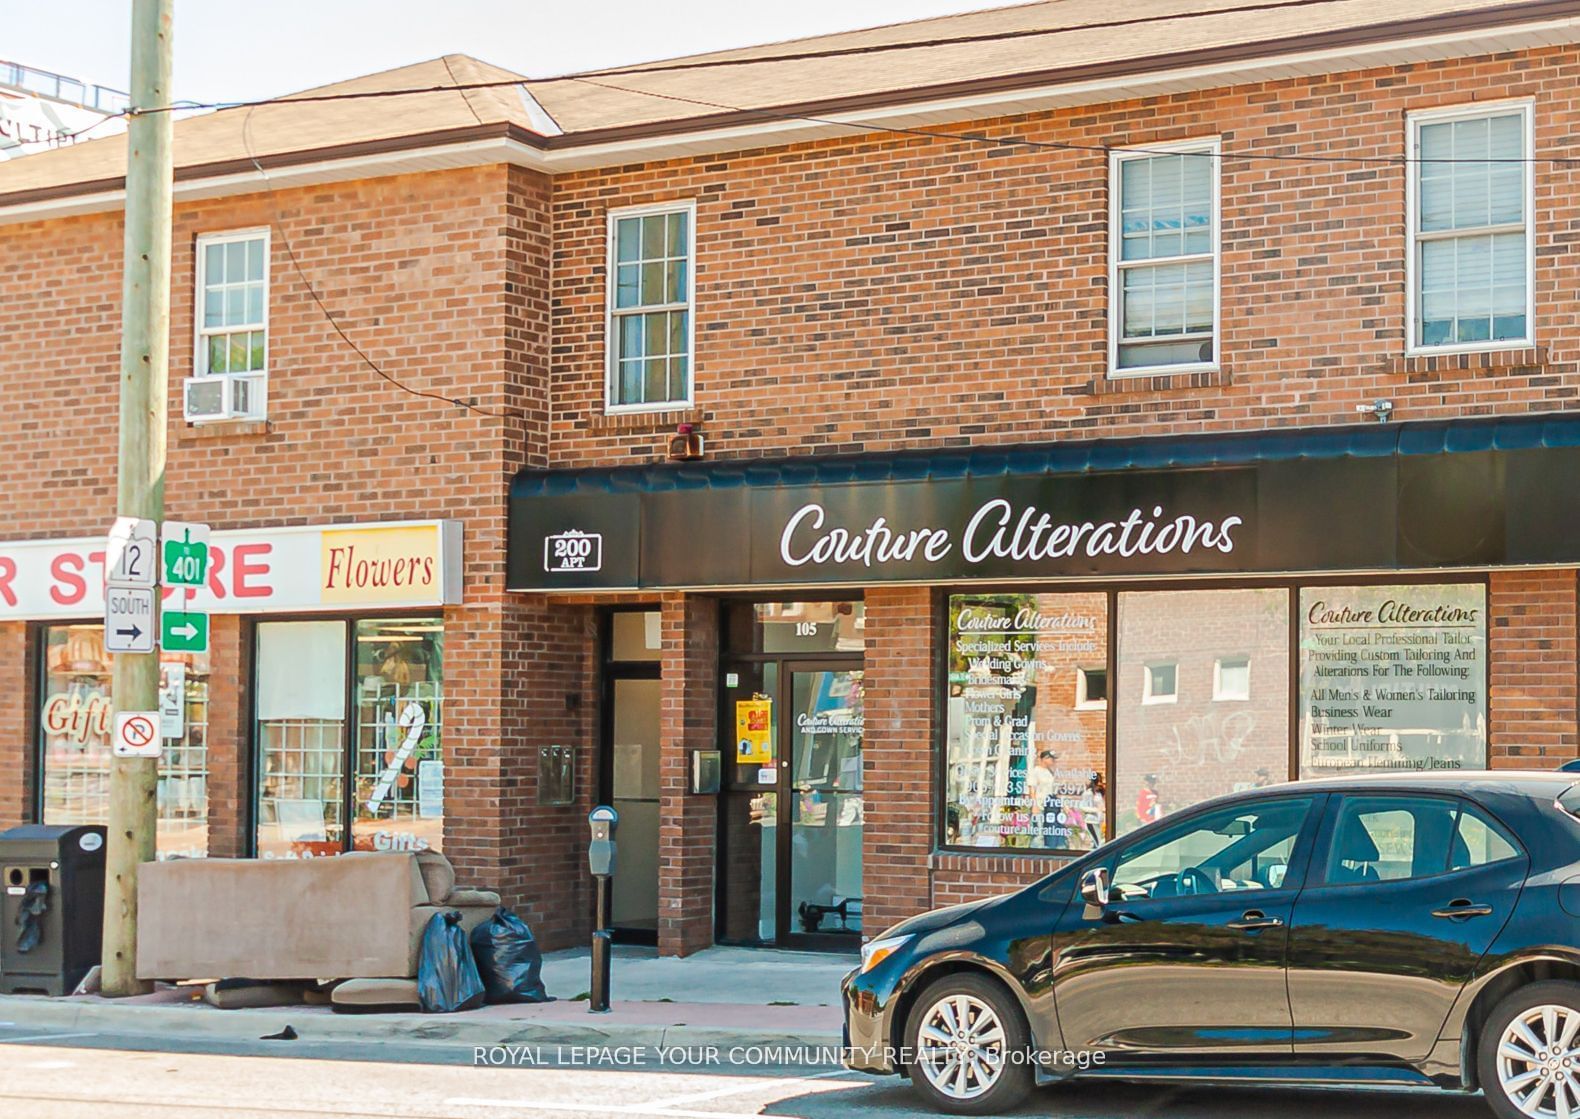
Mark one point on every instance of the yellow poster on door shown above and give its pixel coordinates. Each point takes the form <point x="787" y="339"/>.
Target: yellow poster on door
<point x="753" y="742"/>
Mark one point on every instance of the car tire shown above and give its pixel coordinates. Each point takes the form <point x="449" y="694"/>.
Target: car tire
<point x="993" y="1033"/>
<point x="1520" y="1026"/>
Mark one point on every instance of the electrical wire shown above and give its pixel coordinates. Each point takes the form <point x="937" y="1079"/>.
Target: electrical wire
<point x="329" y="315"/>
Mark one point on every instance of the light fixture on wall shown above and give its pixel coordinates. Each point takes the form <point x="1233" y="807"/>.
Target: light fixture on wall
<point x="1382" y="409"/>
<point x="686" y="444"/>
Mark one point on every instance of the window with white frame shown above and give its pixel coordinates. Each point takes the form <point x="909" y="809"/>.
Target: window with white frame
<point x="651" y="285"/>
<point x="1091" y="688"/>
<point x="1164" y="257"/>
<point x="1231" y="678"/>
<point x="232" y="316"/>
<point x="1161" y="683"/>
<point x="1470" y="230"/>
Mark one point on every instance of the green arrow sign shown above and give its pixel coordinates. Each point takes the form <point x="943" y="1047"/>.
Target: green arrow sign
<point x="185" y="554"/>
<point x="181" y="631"/>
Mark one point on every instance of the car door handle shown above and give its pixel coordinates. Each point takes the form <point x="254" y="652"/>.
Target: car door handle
<point x="1256" y="919"/>
<point x="1461" y="908"/>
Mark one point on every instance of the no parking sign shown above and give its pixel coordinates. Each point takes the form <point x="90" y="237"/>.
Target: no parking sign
<point x="137" y="734"/>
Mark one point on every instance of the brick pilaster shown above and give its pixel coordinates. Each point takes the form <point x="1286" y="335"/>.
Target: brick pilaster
<point x="229" y="734"/>
<point x="18" y="735"/>
<point x="1531" y="670"/>
<point x="897" y="773"/>
<point x="688" y="824"/>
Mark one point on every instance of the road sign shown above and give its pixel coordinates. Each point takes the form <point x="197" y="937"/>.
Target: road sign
<point x="173" y="700"/>
<point x="129" y="620"/>
<point x="184" y="551"/>
<point x="183" y="631"/>
<point x="130" y="560"/>
<point x="137" y="734"/>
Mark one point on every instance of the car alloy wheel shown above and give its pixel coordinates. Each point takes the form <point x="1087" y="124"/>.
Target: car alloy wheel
<point x="961" y="1047"/>
<point x="1539" y="1061"/>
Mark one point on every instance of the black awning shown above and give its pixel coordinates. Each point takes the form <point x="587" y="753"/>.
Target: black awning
<point x="1466" y="493"/>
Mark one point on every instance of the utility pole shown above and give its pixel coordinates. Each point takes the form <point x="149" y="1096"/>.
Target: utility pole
<point x="145" y="378"/>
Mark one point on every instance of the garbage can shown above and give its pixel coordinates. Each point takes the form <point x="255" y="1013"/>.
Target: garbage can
<point x="52" y="915"/>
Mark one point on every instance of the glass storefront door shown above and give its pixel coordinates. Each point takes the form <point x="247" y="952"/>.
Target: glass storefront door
<point x="792" y="804"/>
<point x="824" y="803"/>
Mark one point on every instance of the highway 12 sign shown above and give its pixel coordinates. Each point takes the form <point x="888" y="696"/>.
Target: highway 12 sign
<point x="129" y="619"/>
<point x="181" y="631"/>
<point x="130" y="559"/>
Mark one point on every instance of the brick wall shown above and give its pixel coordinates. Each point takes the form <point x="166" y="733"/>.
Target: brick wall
<point x="18" y="737"/>
<point x="907" y="291"/>
<point x="688" y="824"/>
<point x="898" y="780"/>
<point x="1531" y="635"/>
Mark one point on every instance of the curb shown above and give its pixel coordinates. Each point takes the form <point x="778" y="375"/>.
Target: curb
<point x="412" y="1029"/>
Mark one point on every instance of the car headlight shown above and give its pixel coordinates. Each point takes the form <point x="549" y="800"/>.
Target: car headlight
<point x="874" y="952"/>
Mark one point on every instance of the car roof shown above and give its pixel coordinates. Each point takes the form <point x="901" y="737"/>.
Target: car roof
<point x="1531" y="782"/>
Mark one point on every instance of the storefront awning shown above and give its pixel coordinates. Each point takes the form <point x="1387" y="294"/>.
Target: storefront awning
<point x="1360" y="497"/>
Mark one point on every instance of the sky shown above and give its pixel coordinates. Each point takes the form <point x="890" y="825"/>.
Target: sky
<point x="226" y="51"/>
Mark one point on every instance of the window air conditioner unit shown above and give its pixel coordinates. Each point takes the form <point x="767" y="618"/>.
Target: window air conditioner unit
<point x="220" y="398"/>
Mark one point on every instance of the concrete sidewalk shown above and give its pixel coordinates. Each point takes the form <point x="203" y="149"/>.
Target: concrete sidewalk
<point x="721" y="997"/>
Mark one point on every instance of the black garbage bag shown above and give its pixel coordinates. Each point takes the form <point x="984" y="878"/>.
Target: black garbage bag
<point x="509" y="960"/>
<point x="447" y="978"/>
<point x="30" y="916"/>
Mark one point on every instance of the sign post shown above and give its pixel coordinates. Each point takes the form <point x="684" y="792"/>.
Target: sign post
<point x="140" y="476"/>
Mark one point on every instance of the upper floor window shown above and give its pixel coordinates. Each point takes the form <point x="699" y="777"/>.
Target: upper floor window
<point x="1471" y="245"/>
<point x="651" y="287"/>
<point x="232" y="315"/>
<point x="1164" y="258"/>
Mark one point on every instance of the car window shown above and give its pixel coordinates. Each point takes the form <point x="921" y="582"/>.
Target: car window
<point x="1246" y="847"/>
<point x="1394" y="838"/>
<point x="1478" y="841"/>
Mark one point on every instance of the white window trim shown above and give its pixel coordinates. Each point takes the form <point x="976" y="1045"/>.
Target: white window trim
<point x="1147" y="698"/>
<point x="1217" y="681"/>
<point x="611" y="275"/>
<point x="1116" y="159"/>
<point x="1081" y="702"/>
<point x="1412" y="145"/>
<point x="259" y="377"/>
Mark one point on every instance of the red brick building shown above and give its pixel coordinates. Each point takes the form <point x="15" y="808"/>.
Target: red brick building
<point x="1027" y="364"/>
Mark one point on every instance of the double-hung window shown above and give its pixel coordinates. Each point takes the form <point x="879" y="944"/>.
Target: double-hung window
<point x="651" y="288"/>
<point x="1164" y="257"/>
<point x="230" y="366"/>
<point x="1471" y="245"/>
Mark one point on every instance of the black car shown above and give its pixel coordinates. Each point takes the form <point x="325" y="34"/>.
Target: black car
<point x="1418" y="929"/>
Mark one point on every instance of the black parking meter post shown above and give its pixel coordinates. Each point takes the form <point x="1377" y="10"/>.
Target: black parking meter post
<point x="601" y="821"/>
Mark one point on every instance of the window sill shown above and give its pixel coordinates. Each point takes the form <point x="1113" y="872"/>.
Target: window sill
<point x="223" y="429"/>
<point x="1109" y="385"/>
<point x="644" y="421"/>
<point x="1428" y="365"/>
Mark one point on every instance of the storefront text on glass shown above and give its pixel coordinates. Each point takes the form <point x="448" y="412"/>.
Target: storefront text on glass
<point x="1389" y="677"/>
<point x="1392" y="678"/>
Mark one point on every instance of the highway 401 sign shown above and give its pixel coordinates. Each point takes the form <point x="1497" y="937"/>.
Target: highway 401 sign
<point x="182" y="631"/>
<point x="184" y="552"/>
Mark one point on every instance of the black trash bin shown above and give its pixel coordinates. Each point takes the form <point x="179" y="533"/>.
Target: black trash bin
<point x="52" y="913"/>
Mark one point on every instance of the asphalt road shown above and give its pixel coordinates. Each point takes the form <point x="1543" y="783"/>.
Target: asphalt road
<point x="65" y="1075"/>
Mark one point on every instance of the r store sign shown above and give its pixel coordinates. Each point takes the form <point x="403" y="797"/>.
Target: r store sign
<point x="253" y="571"/>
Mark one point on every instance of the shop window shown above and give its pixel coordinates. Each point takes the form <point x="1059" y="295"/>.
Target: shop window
<point x="1164" y="259"/>
<point x="1160" y="684"/>
<point x="1393" y="678"/>
<point x="75" y="722"/>
<point x="1185" y="749"/>
<point x="350" y="719"/>
<point x="230" y="367"/>
<point x="1091" y="688"/>
<point x="650" y="307"/>
<point x="1231" y="679"/>
<point x="1471" y="244"/>
<point x="1026" y="757"/>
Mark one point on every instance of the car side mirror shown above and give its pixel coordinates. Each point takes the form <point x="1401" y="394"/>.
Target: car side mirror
<point x="1094" y="887"/>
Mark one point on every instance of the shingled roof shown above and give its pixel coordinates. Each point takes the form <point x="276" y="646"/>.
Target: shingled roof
<point x="1069" y="43"/>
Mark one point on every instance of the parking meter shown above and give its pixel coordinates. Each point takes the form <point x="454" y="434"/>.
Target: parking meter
<point x="602" y="822"/>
